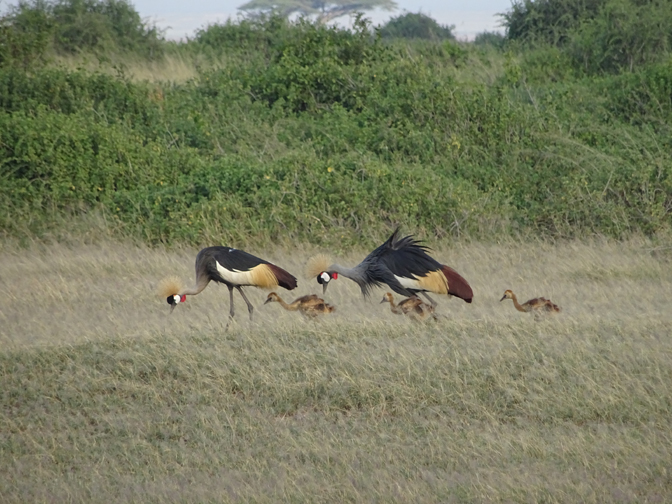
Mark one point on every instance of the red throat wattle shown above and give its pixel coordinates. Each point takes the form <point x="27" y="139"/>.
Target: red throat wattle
<point x="183" y="298"/>
<point x="334" y="276"/>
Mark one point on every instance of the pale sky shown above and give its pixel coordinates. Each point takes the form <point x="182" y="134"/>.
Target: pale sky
<point x="182" y="18"/>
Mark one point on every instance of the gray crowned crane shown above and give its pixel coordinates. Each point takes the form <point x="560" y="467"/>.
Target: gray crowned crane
<point x="403" y="264"/>
<point x="233" y="268"/>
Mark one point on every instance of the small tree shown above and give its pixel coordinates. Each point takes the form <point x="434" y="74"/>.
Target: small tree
<point x="34" y="28"/>
<point x="324" y="10"/>
<point x="491" y="38"/>
<point x="417" y="26"/>
<point x="548" y="20"/>
<point x="25" y="36"/>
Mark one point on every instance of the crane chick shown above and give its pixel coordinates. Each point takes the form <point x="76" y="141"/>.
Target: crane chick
<point x="412" y="307"/>
<point x="310" y="305"/>
<point x="539" y="306"/>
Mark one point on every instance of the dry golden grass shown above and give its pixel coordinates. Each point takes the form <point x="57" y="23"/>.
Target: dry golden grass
<point x="174" y="68"/>
<point x="106" y="397"/>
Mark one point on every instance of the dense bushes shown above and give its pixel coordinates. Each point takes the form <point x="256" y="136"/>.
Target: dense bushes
<point x="25" y="36"/>
<point x="327" y="135"/>
<point x="34" y="29"/>
<point x="416" y="26"/>
<point x="598" y="35"/>
<point x="548" y="21"/>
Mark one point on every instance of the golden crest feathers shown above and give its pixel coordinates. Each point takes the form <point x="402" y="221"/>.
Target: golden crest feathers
<point x="169" y="286"/>
<point x="316" y="265"/>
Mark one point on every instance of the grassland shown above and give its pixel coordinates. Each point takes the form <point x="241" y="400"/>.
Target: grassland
<point x="120" y="154"/>
<point x="104" y="397"/>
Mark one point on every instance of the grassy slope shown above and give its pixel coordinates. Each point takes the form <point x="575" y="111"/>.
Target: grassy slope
<point x="105" y="397"/>
<point x="484" y="145"/>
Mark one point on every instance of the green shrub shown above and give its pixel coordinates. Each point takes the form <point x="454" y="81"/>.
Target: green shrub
<point x="259" y="34"/>
<point x="548" y="21"/>
<point x="623" y="36"/>
<point x="319" y="66"/>
<point x="416" y="26"/>
<point x="598" y="35"/>
<point x="32" y="29"/>
<point x="330" y="136"/>
<point x="491" y="38"/>
<point x="25" y="36"/>
<point x="644" y="98"/>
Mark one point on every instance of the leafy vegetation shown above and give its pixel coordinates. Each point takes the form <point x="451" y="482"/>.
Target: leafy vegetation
<point x="33" y="29"/>
<point x="416" y="26"/>
<point x="492" y="38"/>
<point x="295" y="130"/>
<point x="598" y="35"/>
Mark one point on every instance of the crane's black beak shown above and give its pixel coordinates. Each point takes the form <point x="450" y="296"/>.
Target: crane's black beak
<point x="324" y="278"/>
<point x="171" y="302"/>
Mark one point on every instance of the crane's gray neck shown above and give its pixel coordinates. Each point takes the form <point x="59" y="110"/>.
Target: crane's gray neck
<point x="358" y="274"/>
<point x="201" y="283"/>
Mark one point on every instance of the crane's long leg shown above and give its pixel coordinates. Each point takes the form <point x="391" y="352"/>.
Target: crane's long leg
<point x="430" y="299"/>
<point x="231" y="310"/>
<point x="250" y="308"/>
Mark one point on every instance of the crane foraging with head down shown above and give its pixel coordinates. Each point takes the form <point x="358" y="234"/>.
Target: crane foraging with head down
<point x="233" y="268"/>
<point x="310" y="305"/>
<point x="538" y="306"/>
<point x="403" y="264"/>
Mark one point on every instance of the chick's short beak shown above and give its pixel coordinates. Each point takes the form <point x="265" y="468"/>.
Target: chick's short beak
<point x="267" y="301"/>
<point x="503" y="298"/>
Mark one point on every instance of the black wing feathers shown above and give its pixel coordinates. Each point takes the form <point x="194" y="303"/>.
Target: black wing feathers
<point x="405" y="257"/>
<point x="377" y="275"/>
<point x="239" y="260"/>
<point x="234" y="259"/>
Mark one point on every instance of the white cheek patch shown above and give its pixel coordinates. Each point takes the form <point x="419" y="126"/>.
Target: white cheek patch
<point x="177" y="299"/>
<point x="325" y="277"/>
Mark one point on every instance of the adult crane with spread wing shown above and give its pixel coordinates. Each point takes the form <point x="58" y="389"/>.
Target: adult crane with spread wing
<point x="403" y="264"/>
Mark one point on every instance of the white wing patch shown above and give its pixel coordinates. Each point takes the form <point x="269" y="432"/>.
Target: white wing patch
<point x="409" y="283"/>
<point x="235" y="277"/>
<point x="259" y="276"/>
